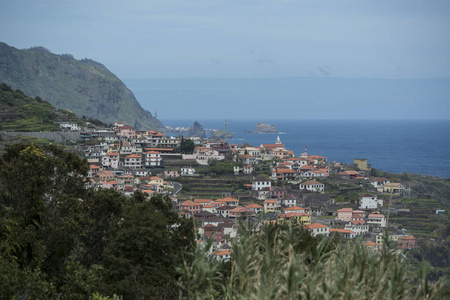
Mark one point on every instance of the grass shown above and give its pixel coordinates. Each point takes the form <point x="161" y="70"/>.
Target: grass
<point x="285" y="262"/>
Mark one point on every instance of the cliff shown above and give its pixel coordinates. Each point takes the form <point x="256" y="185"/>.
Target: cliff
<point x="85" y="87"/>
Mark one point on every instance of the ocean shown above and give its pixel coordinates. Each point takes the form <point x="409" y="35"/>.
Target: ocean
<point x="397" y="146"/>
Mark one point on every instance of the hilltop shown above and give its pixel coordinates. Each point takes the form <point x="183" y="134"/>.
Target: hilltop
<point x="85" y="87"/>
<point x="18" y="112"/>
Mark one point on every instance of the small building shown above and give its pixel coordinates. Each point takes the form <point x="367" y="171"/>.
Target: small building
<point x="344" y="214"/>
<point x="407" y="242"/>
<point x="348" y="234"/>
<point x="133" y="161"/>
<point x="255" y="207"/>
<point x="379" y="181"/>
<point x="297" y="218"/>
<point x="271" y="205"/>
<point x="312" y="186"/>
<point x="318" y="229"/>
<point x="187" y="171"/>
<point x="260" y="182"/>
<point x="368" y="201"/>
<point x="376" y="219"/>
<point x="152" y="159"/>
<point x="396" y="188"/>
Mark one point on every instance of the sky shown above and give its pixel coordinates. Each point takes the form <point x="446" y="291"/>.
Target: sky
<point x="360" y="39"/>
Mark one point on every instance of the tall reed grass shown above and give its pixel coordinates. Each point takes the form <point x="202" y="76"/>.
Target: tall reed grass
<point x="285" y="262"/>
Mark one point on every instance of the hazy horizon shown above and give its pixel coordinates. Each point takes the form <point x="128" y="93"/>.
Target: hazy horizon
<point x="391" y="59"/>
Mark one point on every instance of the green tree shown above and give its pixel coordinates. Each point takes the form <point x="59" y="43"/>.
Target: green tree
<point x="145" y="249"/>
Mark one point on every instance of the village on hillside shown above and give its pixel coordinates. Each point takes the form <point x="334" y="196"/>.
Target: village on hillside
<point x="262" y="184"/>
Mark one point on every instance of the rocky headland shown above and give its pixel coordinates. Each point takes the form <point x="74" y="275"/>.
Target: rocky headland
<point x="264" y="128"/>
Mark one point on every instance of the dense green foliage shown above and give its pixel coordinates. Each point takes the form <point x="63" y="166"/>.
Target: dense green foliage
<point x="285" y="262"/>
<point x="61" y="240"/>
<point x="187" y="146"/>
<point x="19" y="112"/>
<point x="84" y="87"/>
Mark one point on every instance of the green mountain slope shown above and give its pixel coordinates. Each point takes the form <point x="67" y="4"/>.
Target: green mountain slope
<point x="19" y="112"/>
<point x="84" y="87"/>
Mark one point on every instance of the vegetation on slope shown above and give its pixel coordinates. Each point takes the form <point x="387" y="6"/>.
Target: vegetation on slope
<point x="286" y="262"/>
<point x="19" y="112"/>
<point x="84" y="87"/>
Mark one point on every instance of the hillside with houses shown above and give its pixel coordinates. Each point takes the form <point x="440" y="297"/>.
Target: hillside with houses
<point x="219" y="184"/>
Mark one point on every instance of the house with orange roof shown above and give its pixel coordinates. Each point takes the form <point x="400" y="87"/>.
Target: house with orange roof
<point x="318" y="229"/>
<point x="376" y="219"/>
<point x="359" y="227"/>
<point x="190" y="206"/>
<point x="222" y="255"/>
<point x="282" y="153"/>
<point x="228" y="201"/>
<point x="255" y="207"/>
<point x="271" y="205"/>
<point x="125" y="131"/>
<point x="110" y="185"/>
<point x="105" y="176"/>
<point x="349" y="175"/>
<point x="344" y="214"/>
<point x="296" y="218"/>
<point x="133" y="161"/>
<point x="375" y="247"/>
<point x="312" y="186"/>
<point x="204" y="201"/>
<point x="209" y="208"/>
<point x="93" y="170"/>
<point x="241" y="212"/>
<point x="348" y="234"/>
<point x="155" y="180"/>
<point x="295" y="209"/>
<point x="284" y="174"/>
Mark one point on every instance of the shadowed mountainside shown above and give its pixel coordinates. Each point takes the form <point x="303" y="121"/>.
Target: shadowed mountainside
<point x="84" y="87"/>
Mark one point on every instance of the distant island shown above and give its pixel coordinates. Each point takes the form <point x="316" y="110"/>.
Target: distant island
<point x="221" y="134"/>
<point x="264" y="128"/>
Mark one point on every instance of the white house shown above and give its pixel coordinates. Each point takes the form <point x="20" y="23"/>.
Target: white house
<point x="69" y="126"/>
<point x="312" y="186"/>
<point x="379" y="181"/>
<point x="152" y="159"/>
<point x="289" y="201"/>
<point x="368" y="201"/>
<point x="359" y="227"/>
<point x="376" y="219"/>
<point x="111" y="160"/>
<point x="261" y="182"/>
<point x="186" y="171"/>
<point x="318" y="229"/>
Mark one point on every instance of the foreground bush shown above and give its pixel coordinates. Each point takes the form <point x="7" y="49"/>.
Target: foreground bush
<point x="285" y="262"/>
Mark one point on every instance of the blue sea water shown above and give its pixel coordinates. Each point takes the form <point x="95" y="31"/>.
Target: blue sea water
<point x="397" y="146"/>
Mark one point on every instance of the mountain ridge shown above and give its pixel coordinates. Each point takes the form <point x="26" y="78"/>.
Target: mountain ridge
<point x="84" y="87"/>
